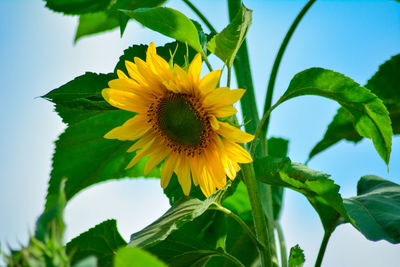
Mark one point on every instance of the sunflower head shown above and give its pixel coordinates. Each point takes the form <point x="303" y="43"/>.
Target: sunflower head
<point x="177" y="121"/>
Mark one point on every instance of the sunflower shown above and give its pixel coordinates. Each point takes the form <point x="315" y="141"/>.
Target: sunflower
<point x="177" y="121"/>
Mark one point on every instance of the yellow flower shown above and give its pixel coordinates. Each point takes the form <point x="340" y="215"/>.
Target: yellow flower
<point x="177" y="121"/>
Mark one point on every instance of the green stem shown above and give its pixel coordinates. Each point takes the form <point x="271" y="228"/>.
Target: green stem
<point x="322" y="248"/>
<point x="282" y="244"/>
<point x="260" y="222"/>
<point x="228" y="82"/>
<point x="278" y="59"/>
<point x="207" y="63"/>
<point x="201" y="16"/>
<point x="244" y="80"/>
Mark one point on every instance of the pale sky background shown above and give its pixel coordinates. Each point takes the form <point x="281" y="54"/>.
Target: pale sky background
<point x="38" y="55"/>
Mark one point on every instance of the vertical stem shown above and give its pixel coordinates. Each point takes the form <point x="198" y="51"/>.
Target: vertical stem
<point x="258" y="214"/>
<point x="243" y="77"/>
<point x="322" y="248"/>
<point x="201" y="16"/>
<point x="282" y="244"/>
<point x="228" y="82"/>
<point x="278" y="59"/>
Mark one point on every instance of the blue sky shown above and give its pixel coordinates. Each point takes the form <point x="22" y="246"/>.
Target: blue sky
<point x="37" y="54"/>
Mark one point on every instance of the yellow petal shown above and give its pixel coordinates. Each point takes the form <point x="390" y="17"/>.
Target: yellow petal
<point x="151" y="79"/>
<point x="206" y="184"/>
<point x="223" y="112"/>
<point x="182" y="170"/>
<point x="195" y="69"/>
<point x="140" y="154"/>
<point x="215" y="124"/>
<point x="223" y="97"/>
<point x="125" y="100"/>
<point x="234" y="134"/>
<point x="209" y="82"/>
<point x="141" y="142"/>
<point x="131" y="130"/>
<point x="126" y="85"/>
<point x="155" y="158"/>
<point x="151" y="51"/>
<point x="235" y="152"/>
<point x="167" y="170"/>
<point x="134" y="73"/>
<point x="182" y="80"/>
<point x="215" y="167"/>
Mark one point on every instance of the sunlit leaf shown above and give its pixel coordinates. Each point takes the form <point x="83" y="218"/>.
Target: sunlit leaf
<point x="385" y="84"/>
<point x="101" y="241"/>
<point x="94" y="23"/>
<point x="169" y="22"/>
<point x="321" y="192"/>
<point x="296" y="257"/>
<point x="226" y="43"/>
<point x="376" y="209"/>
<point x="136" y="257"/>
<point x="368" y="113"/>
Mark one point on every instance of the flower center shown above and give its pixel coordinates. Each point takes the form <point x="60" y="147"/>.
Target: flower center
<point x="180" y="121"/>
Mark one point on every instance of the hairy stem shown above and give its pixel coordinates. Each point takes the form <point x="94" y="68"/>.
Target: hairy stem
<point x="201" y="16"/>
<point x="278" y="59"/>
<point x="259" y="217"/>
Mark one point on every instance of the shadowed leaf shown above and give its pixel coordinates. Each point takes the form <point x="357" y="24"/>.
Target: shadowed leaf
<point x="376" y="209"/>
<point x="101" y="241"/>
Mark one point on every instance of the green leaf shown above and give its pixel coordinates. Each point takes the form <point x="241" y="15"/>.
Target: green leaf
<point x="321" y="192"/>
<point x="101" y="241"/>
<point x="169" y="22"/>
<point x="51" y="224"/>
<point x="81" y="99"/>
<point x="82" y="154"/>
<point x="94" y="23"/>
<point x="73" y="7"/>
<point x="385" y="84"/>
<point x="368" y="113"/>
<point x="296" y="257"/>
<point x="226" y="44"/>
<point x="376" y="209"/>
<point x="184" y="211"/>
<point x="136" y="257"/>
<point x="189" y="233"/>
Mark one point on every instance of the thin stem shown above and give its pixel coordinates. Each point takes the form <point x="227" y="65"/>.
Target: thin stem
<point x="282" y="244"/>
<point x="228" y="82"/>
<point x="201" y="16"/>
<point x="207" y="63"/>
<point x="259" y="129"/>
<point x="278" y="59"/>
<point x="260" y="222"/>
<point x="322" y="248"/>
